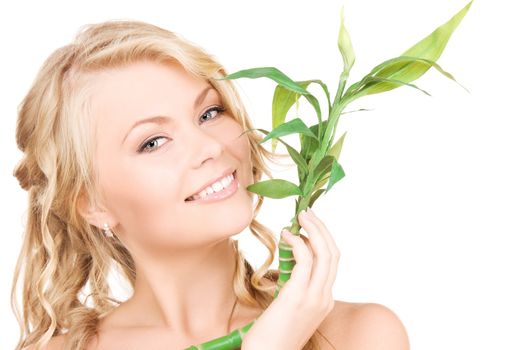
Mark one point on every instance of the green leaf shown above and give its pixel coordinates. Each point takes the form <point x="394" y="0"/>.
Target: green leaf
<point x="325" y="89"/>
<point x="314" y="197"/>
<point x="280" y="78"/>
<point x="372" y="84"/>
<point x="413" y="68"/>
<point x="268" y="72"/>
<point x="297" y="158"/>
<point x="385" y="84"/>
<point x="335" y="150"/>
<point x="433" y="45"/>
<point x="412" y="64"/>
<point x="345" y="45"/>
<point x="283" y="100"/>
<point x="430" y="48"/>
<point x="330" y="167"/>
<point x="321" y="183"/>
<point x="294" y="126"/>
<point x="310" y="144"/>
<point x="275" y="188"/>
<point x="336" y="174"/>
<point x="323" y="167"/>
<point x="302" y="167"/>
<point x="357" y="110"/>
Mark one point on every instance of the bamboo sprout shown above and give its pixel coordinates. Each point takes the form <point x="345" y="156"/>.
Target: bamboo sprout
<point x="317" y="160"/>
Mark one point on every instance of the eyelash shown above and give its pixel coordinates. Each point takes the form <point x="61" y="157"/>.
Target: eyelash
<point x="142" y="148"/>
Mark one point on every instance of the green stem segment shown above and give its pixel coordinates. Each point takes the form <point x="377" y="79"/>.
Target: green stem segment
<point x="341" y="86"/>
<point x="286" y="258"/>
<point x="230" y="341"/>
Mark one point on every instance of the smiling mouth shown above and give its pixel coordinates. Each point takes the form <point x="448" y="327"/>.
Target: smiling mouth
<point x="192" y="198"/>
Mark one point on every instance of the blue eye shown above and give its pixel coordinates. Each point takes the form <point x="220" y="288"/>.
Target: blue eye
<point x="217" y="109"/>
<point x="145" y="147"/>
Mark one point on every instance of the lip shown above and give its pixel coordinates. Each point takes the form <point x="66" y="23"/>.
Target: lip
<point x="221" y="195"/>
<point x="224" y="173"/>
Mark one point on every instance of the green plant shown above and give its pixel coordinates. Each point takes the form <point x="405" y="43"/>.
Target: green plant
<point x="317" y="160"/>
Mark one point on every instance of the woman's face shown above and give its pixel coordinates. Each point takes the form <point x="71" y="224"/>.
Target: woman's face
<point x="147" y="169"/>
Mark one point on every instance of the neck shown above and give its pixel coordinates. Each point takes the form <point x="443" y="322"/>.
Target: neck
<point x="191" y="292"/>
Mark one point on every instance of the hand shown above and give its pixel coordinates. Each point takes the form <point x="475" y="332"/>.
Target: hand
<point x="306" y="298"/>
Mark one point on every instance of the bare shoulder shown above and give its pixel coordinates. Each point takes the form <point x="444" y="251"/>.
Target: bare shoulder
<point x="55" y="343"/>
<point x="363" y="326"/>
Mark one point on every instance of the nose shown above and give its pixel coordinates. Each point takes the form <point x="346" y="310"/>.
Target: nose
<point x="202" y="145"/>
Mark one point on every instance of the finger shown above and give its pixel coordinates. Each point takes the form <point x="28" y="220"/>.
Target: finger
<point x="321" y="251"/>
<point x="326" y="233"/>
<point x="308" y="244"/>
<point x="301" y="272"/>
<point x="333" y="249"/>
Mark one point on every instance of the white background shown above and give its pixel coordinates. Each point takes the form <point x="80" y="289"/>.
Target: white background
<point x="430" y="215"/>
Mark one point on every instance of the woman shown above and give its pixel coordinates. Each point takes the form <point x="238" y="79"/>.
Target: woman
<point x="134" y="156"/>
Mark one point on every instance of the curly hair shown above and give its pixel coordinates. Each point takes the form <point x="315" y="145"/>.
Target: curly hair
<point x="61" y="252"/>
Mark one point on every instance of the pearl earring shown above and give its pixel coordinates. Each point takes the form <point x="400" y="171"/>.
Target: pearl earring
<point x="107" y="231"/>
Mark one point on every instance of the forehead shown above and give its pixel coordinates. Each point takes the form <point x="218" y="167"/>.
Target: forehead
<point x="126" y="93"/>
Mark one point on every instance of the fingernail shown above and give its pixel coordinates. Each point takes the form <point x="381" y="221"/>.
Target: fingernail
<point x="304" y="214"/>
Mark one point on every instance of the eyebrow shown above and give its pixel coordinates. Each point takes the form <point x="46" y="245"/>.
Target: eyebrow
<point x="162" y="119"/>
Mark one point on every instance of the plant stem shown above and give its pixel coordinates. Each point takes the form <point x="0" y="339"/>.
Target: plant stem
<point x="228" y="342"/>
<point x="340" y="87"/>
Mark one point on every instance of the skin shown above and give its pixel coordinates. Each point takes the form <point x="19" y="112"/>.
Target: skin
<point x="183" y="252"/>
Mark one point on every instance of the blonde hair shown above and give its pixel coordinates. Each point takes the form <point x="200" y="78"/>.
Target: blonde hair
<point x="61" y="253"/>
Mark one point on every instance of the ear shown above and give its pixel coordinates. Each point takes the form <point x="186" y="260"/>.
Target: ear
<point x="93" y="213"/>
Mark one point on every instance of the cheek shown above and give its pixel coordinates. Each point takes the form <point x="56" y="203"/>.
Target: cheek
<point x="240" y="148"/>
<point x="135" y="194"/>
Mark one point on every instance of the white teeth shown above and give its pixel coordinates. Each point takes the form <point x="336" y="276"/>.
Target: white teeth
<point x="226" y="181"/>
<point x="215" y="187"/>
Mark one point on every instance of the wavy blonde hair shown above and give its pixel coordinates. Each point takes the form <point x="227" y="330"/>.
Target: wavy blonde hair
<point x="61" y="253"/>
